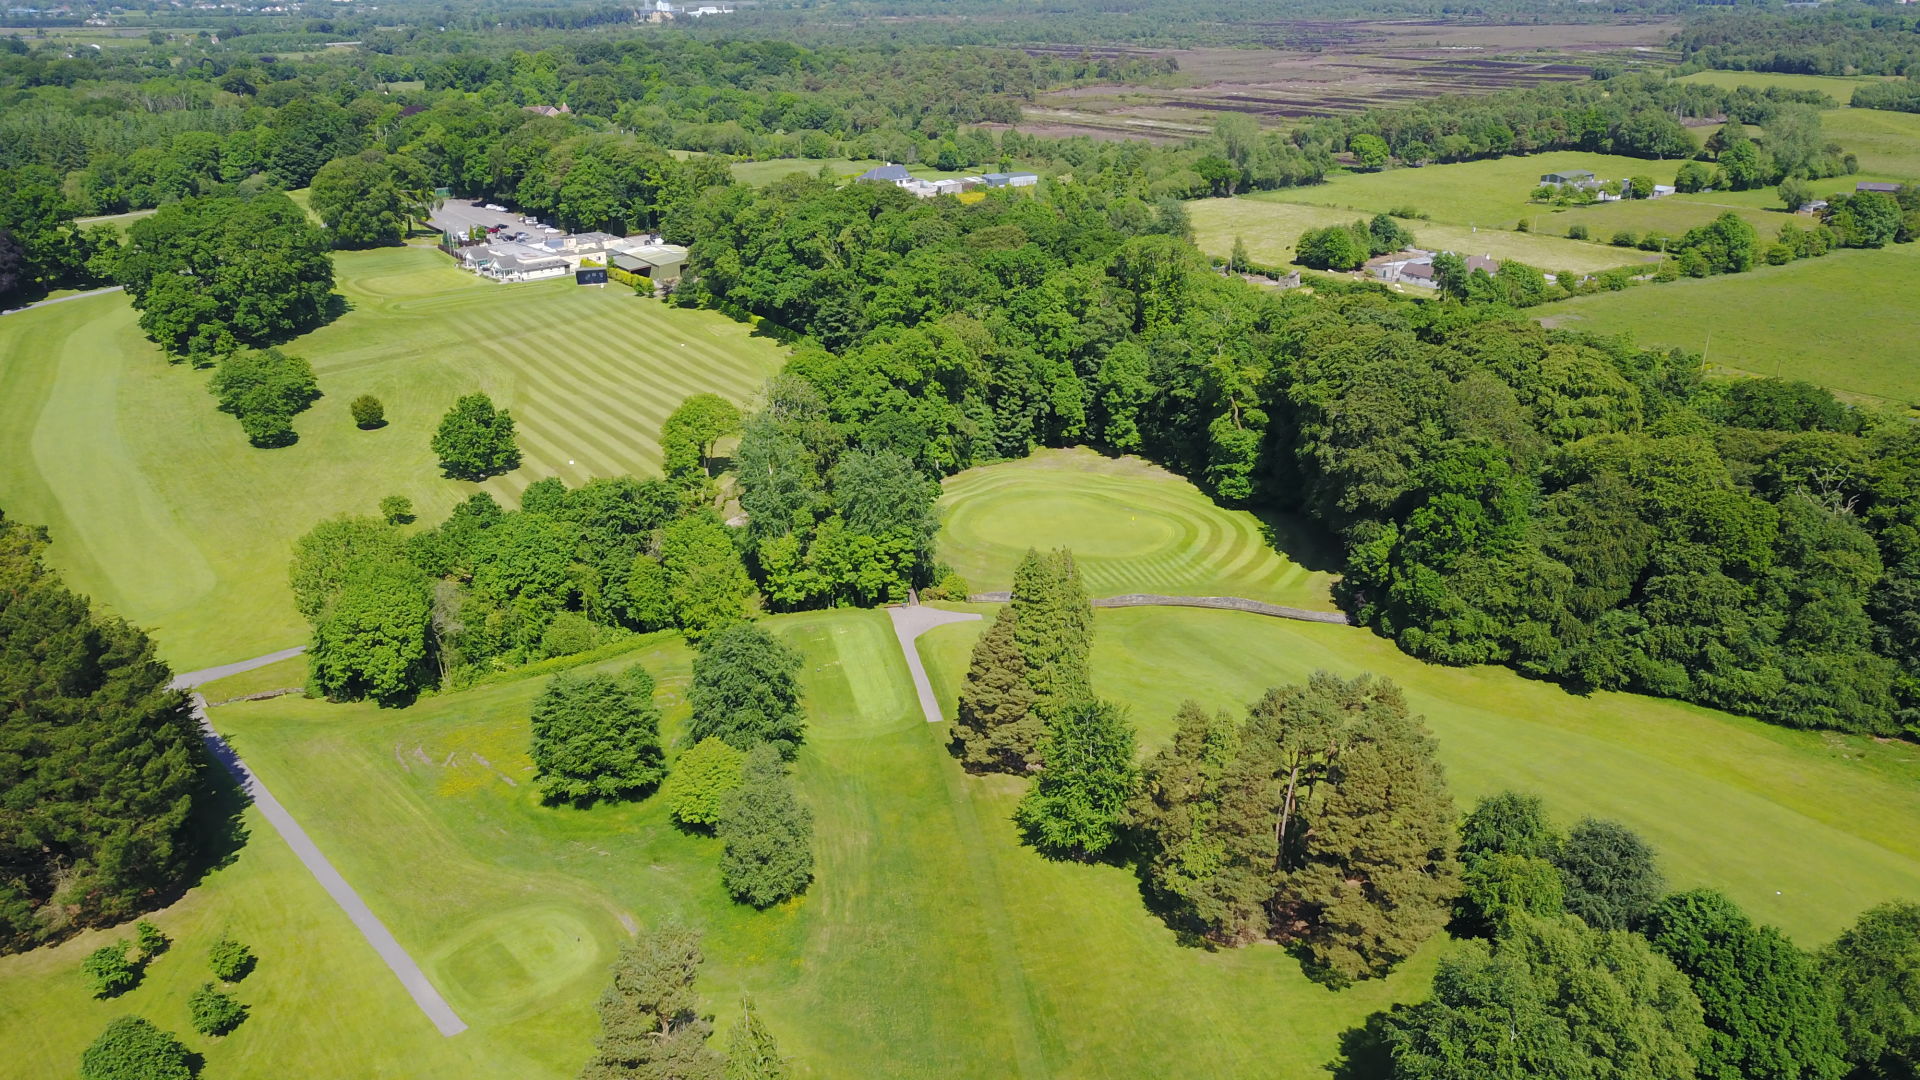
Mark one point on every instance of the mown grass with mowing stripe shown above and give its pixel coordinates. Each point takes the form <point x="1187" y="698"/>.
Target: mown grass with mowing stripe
<point x="160" y="510"/>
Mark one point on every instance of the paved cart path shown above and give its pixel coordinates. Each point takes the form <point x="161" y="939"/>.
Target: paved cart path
<point x="369" y="924"/>
<point x="909" y="623"/>
<point x="62" y="299"/>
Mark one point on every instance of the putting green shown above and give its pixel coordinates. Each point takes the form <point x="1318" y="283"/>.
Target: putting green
<point x="515" y="960"/>
<point x="1132" y="527"/>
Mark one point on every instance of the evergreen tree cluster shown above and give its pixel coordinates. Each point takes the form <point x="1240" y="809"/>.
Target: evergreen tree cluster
<point x="1321" y="820"/>
<point x="100" y="761"/>
<point x="652" y="1026"/>
<point x="1030" y="666"/>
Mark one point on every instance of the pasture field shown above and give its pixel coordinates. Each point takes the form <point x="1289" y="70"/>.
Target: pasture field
<point x="931" y="944"/>
<point x="1838" y="87"/>
<point x="1804" y="829"/>
<point x="161" y="511"/>
<point x="1270" y="230"/>
<point x="1133" y="527"/>
<point x="1847" y="321"/>
<point x="1888" y="143"/>
<point x="1483" y="194"/>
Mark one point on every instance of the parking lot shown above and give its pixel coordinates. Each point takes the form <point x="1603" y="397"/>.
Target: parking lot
<point x="459" y="215"/>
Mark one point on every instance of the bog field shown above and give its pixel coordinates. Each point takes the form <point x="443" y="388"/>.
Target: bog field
<point x="932" y="943"/>
<point x="161" y="511"/>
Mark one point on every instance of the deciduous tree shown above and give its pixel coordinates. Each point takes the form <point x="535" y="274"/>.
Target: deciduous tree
<point x="701" y="780"/>
<point x="597" y="736"/>
<point x="746" y="690"/>
<point x="768" y="834"/>
<point x="1609" y="872"/>
<point x="475" y="440"/>
<point x="1874" y="970"/>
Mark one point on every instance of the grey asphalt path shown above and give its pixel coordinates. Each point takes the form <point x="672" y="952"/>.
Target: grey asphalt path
<point x="61" y="299"/>
<point x="206" y="675"/>
<point x="910" y="622"/>
<point x="363" y="918"/>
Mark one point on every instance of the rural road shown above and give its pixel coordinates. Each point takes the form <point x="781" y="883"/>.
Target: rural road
<point x="363" y="918"/>
<point x="61" y="299"/>
<point x="908" y="624"/>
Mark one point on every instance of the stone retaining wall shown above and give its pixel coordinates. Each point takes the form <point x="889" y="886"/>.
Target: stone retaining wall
<point x="1224" y="603"/>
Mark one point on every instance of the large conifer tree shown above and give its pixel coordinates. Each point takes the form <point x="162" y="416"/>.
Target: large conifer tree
<point x="100" y="762"/>
<point x="996" y="727"/>
<point x="1376" y="866"/>
<point x="1184" y="811"/>
<point x="751" y="1052"/>
<point x="768" y="833"/>
<point x="1053" y="627"/>
<point x="650" y="1022"/>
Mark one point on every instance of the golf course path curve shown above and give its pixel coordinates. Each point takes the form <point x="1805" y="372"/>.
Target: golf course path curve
<point x="910" y="622"/>
<point x="363" y="918"/>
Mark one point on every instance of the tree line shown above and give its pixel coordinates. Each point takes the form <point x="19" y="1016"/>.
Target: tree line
<point x="1581" y="509"/>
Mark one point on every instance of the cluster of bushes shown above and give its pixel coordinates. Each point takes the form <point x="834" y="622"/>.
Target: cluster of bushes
<point x="597" y="737"/>
<point x="1348" y="247"/>
<point x="132" y="1048"/>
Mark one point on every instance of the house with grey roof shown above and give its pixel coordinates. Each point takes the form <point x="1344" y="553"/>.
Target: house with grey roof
<point x="886" y="174"/>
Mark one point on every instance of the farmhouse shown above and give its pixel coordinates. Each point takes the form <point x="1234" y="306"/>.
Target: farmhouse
<point x="886" y="174"/>
<point x="1414" y="266"/>
<point x="1568" y="176"/>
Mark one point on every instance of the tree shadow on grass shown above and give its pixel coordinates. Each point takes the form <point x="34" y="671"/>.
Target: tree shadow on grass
<point x="1365" y="1053"/>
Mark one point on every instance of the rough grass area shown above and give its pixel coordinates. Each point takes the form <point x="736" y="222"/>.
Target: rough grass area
<point x="1483" y="194"/>
<point x="1270" y="230"/>
<point x="1804" y="829"/>
<point x="1847" y="321"/>
<point x="320" y="1002"/>
<point x="160" y="510"/>
<point x="1888" y="143"/>
<point x="1133" y="527"/>
<point x="931" y="943"/>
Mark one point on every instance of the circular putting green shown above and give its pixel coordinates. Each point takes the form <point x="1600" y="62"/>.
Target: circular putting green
<point x="1132" y="527"/>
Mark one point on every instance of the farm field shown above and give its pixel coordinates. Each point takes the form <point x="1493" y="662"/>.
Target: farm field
<point x="1133" y="527"/>
<point x="1487" y="194"/>
<point x="1838" y="87"/>
<point x="954" y="951"/>
<point x="1270" y="230"/>
<point x="1888" y="143"/>
<point x="1803" y="829"/>
<point x="1780" y="321"/>
<point x="1309" y="68"/>
<point x="161" y="511"/>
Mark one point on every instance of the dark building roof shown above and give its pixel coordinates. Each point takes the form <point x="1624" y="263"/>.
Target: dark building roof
<point x="888" y="172"/>
<point x="1482" y="262"/>
<point x="1870" y="185"/>
<point x="1417" y="270"/>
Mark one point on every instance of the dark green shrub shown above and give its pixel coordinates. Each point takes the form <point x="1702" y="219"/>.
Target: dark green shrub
<point x="214" y="1012"/>
<point x="109" y="971"/>
<point x="230" y="960"/>
<point x="133" y="1049"/>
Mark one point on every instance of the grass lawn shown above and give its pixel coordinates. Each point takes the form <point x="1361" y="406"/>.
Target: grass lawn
<point x="1133" y="527"/>
<point x="1270" y="230"/>
<point x="320" y="1002"/>
<point x="931" y="944"/>
<point x="1846" y="321"/>
<point x="1486" y="194"/>
<point x="160" y="510"/>
<point x="1803" y="829"/>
